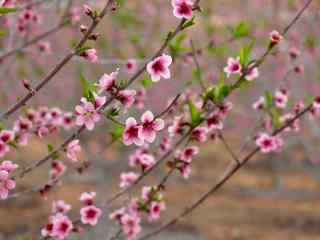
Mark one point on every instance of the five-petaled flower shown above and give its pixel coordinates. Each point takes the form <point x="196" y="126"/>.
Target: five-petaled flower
<point x="107" y="82"/>
<point x="269" y="143"/>
<point x="150" y="125"/>
<point x="182" y="8"/>
<point x="233" y="66"/>
<point x="90" y="215"/>
<point x="159" y="67"/>
<point x="86" y="114"/>
<point x="131" y="133"/>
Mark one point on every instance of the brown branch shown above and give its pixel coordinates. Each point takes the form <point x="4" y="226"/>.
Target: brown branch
<point x="61" y="64"/>
<point x="34" y="40"/>
<point x="232" y="169"/>
<point x="108" y="102"/>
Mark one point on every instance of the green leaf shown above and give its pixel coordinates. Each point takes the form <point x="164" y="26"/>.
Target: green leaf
<point x="245" y="53"/>
<point x="55" y="153"/>
<point x="146" y="82"/>
<point x="176" y="44"/>
<point x="189" y="23"/>
<point x="88" y="88"/>
<point x="243" y="29"/>
<point x="268" y="99"/>
<point x="4" y="10"/>
<point x="275" y="118"/>
<point x="194" y="114"/>
<point x="116" y="132"/>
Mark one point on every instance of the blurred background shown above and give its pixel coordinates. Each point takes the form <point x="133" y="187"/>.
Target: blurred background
<point x="274" y="197"/>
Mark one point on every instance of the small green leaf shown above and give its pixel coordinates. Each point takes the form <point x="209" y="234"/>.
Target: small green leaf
<point x="88" y="88"/>
<point x="116" y="132"/>
<point x="194" y="114"/>
<point x="189" y="23"/>
<point x="4" y="10"/>
<point x="275" y="118"/>
<point x="245" y="53"/>
<point x="268" y="99"/>
<point x="146" y="82"/>
<point x="243" y="29"/>
<point x="55" y="154"/>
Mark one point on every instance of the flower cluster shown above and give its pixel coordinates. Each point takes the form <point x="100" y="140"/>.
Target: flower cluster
<point x="183" y="159"/>
<point x="6" y="183"/>
<point x="138" y="133"/>
<point x="129" y="218"/>
<point x="59" y="225"/>
<point x="40" y="122"/>
<point x="90" y="214"/>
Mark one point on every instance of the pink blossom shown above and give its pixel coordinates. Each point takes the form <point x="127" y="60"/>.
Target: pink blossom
<point x="150" y="125"/>
<point x="294" y="52"/>
<point x="268" y="143"/>
<point x="252" y="73"/>
<point x="155" y="209"/>
<point x="176" y="127"/>
<point x="62" y="227"/>
<point x="127" y="179"/>
<point x="316" y="103"/>
<point x="107" y="81"/>
<point x="165" y="144"/>
<point x="47" y="230"/>
<point x="131" y="133"/>
<point x="8" y="166"/>
<point x="22" y="125"/>
<point x="159" y="67"/>
<point x="214" y="122"/>
<point x="44" y="47"/>
<point x="91" y="55"/>
<point x="281" y="98"/>
<point x="87" y="198"/>
<point x="187" y="154"/>
<point x="199" y="134"/>
<point x="86" y="114"/>
<point x="87" y="9"/>
<point x="6" y="136"/>
<point x="126" y="97"/>
<point x="299" y="69"/>
<point x="182" y="8"/>
<point x="131" y="65"/>
<point x="73" y="149"/>
<point x="134" y="159"/>
<point x="67" y="120"/>
<point x="275" y="37"/>
<point x="224" y="108"/>
<point x="90" y="215"/>
<point x="57" y="169"/>
<point x="6" y="184"/>
<point x="185" y="170"/>
<point x="117" y="214"/>
<point x="298" y="107"/>
<point x="131" y="225"/>
<point x="233" y="67"/>
<point x="99" y="101"/>
<point x="146" y="192"/>
<point x="259" y="104"/>
<point x="146" y="161"/>
<point x="60" y="207"/>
